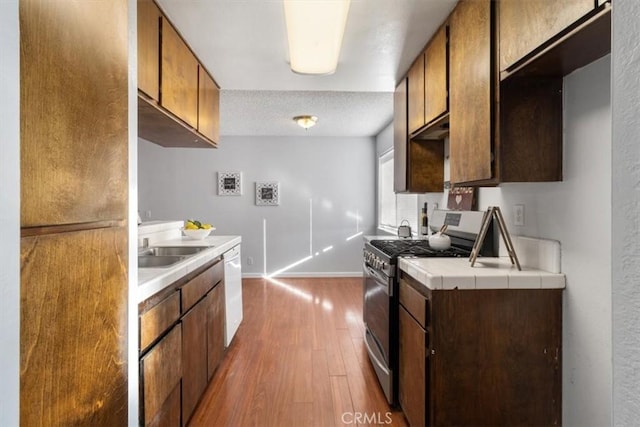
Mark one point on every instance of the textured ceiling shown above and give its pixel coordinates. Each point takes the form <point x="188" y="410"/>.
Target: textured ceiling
<point x="243" y="44"/>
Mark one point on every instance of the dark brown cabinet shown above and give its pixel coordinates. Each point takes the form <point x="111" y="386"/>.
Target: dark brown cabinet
<point x="413" y="360"/>
<point x="416" y="94"/>
<point x="471" y="88"/>
<point x="480" y="357"/>
<point x="215" y="328"/>
<point x="418" y="164"/>
<point x="436" y="67"/>
<point x="160" y="372"/>
<point x="179" y="83"/>
<point x="208" y="106"/>
<point x="509" y="131"/>
<point x="193" y="305"/>
<point x="149" y="49"/>
<point x="74" y="198"/>
<point x="194" y="358"/>
<point x="178" y="100"/>
<point x="526" y="25"/>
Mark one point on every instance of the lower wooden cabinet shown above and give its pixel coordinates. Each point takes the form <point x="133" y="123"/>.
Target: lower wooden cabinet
<point x="160" y="373"/>
<point x="413" y="359"/>
<point x="480" y="357"/>
<point x="215" y="328"/>
<point x="194" y="358"/>
<point x="181" y="346"/>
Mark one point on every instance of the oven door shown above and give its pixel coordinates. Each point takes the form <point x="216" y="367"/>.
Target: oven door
<point x="378" y="299"/>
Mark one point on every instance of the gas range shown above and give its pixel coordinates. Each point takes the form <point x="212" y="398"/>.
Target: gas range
<point x="380" y="310"/>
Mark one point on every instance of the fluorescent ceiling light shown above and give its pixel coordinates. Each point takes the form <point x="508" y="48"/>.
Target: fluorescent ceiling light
<point x="315" y="29"/>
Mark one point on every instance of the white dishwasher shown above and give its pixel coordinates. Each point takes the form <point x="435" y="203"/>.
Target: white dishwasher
<point x="232" y="292"/>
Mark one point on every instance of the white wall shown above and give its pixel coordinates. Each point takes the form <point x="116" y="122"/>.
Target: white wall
<point x="336" y="174"/>
<point x="577" y="212"/>
<point x="625" y="226"/>
<point x="9" y="213"/>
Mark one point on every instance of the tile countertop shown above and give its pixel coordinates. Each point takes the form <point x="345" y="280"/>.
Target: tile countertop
<point x="488" y="273"/>
<point x="153" y="280"/>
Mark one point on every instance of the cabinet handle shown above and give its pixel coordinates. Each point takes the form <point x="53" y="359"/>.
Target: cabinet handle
<point x="433" y="352"/>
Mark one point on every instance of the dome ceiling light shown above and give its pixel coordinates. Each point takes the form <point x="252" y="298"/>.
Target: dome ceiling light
<point x="305" y="121"/>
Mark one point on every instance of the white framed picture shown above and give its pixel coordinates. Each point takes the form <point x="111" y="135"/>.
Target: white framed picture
<point x="267" y="193"/>
<point x="229" y="183"/>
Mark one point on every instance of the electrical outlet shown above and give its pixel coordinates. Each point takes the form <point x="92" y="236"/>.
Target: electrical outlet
<point x="249" y="260"/>
<point x="518" y="215"/>
<point x="147" y="214"/>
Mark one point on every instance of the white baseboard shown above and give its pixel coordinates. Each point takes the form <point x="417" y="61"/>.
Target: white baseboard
<point x="306" y="274"/>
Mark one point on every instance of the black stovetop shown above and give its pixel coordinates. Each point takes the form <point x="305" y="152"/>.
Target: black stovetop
<point x="419" y="248"/>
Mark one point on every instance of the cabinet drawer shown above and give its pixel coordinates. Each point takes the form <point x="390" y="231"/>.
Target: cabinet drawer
<point x="197" y="287"/>
<point x="160" y="372"/>
<point x="415" y="303"/>
<point x="158" y="319"/>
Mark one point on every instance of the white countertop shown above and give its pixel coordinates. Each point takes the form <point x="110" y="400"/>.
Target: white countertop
<point x="488" y="273"/>
<point x="153" y="280"/>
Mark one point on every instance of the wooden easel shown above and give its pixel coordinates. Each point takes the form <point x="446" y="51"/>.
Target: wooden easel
<point x="494" y="212"/>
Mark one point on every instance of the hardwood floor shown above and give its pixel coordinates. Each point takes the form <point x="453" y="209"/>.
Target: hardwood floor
<point x="298" y="359"/>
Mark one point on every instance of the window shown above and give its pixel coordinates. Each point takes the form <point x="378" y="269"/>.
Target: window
<point x="393" y="208"/>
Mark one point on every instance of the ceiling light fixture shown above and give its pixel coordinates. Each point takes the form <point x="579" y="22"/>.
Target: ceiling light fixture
<point x="314" y="30"/>
<point x="305" y="121"/>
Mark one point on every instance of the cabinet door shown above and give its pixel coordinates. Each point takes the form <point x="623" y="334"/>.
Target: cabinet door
<point x="73" y="112"/>
<point x="160" y="371"/>
<point x="525" y="25"/>
<point x="215" y="328"/>
<point x="73" y="328"/>
<point x="416" y="93"/>
<point x="149" y="48"/>
<point x="179" y="76"/>
<point x="436" y="91"/>
<point x="400" y="137"/>
<point x="208" y="106"/>
<point x="194" y="358"/>
<point x="470" y="86"/>
<point x="413" y="379"/>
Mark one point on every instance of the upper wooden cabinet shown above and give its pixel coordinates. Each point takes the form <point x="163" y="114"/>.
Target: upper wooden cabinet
<point x="526" y="25"/>
<point x="178" y="100"/>
<point x="418" y="164"/>
<point x="208" y="106"/>
<point x="436" y="68"/>
<point x="416" y="94"/>
<point x="149" y="48"/>
<point x="471" y="88"/>
<point x="179" y="81"/>
<point x="428" y="89"/>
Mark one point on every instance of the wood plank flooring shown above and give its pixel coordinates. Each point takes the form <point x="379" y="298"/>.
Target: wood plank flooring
<point x="298" y="359"/>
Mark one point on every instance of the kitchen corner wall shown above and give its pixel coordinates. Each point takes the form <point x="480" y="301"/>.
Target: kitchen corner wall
<point x="9" y="214"/>
<point x="327" y="195"/>
<point x="577" y="212"/>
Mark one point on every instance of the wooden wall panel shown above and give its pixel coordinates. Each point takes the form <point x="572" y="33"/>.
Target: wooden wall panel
<point x="73" y="113"/>
<point x="73" y="335"/>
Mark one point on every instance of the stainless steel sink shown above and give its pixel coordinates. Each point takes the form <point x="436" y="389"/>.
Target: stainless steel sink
<point x="175" y="250"/>
<point x="150" y="261"/>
